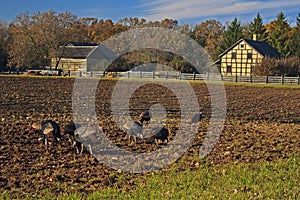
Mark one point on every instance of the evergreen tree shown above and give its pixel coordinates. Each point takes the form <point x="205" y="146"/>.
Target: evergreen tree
<point x="256" y="27"/>
<point x="232" y="34"/>
<point x="295" y="42"/>
<point x="279" y="31"/>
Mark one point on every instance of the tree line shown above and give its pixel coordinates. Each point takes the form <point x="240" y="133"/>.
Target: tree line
<point x="32" y="40"/>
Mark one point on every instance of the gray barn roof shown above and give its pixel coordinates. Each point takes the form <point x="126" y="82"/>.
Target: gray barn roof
<point x="77" y="50"/>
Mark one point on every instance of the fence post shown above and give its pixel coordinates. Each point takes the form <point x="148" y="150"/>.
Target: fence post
<point x="236" y="78"/>
<point x="91" y="73"/>
<point x="167" y="75"/>
<point x="128" y="74"/>
<point x="298" y="80"/>
<point x="153" y="77"/>
<point x="69" y="73"/>
<point x="141" y="75"/>
<point x="251" y="80"/>
<point x="267" y="79"/>
<point x="282" y="79"/>
<point x="194" y="76"/>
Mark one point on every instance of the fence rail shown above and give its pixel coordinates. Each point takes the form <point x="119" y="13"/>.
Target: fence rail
<point x="193" y="76"/>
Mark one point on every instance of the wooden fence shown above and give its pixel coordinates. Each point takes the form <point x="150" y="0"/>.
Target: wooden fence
<point x="194" y="76"/>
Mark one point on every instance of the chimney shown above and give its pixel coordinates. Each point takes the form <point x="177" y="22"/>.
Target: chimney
<point x="254" y="37"/>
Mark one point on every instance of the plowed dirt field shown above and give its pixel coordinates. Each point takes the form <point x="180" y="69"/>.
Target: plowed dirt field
<point x="262" y="123"/>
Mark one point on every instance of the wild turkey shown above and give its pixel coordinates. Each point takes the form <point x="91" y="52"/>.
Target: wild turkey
<point x="88" y="135"/>
<point x="69" y="129"/>
<point x="158" y="133"/>
<point x="46" y="127"/>
<point x="196" y="118"/>
<point x="134" y="129"/>
<point x="145" y="116"/>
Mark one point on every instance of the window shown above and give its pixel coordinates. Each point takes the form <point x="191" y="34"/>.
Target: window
<point x="229" y="69"/>
<point x="249" y="55"/>
<point x="252" y="69"/>
<point x="242" y="46"/>
<point x="233" y="55"/>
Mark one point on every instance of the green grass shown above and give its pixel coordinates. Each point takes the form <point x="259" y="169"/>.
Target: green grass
<point x="275" y="180"/>
<point x="264" y="180"/>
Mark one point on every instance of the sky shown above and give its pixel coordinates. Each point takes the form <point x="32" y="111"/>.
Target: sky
<point x="185" y="11"/>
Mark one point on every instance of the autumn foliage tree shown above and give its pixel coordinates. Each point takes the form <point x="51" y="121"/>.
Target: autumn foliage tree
<point x="209" y="35"/>
<point x="3" y="43"/>
<point x="37" y="38"/>
<point x="33" y="40"/>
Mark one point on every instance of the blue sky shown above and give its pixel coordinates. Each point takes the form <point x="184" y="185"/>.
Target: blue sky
<point x="185" y="11"/>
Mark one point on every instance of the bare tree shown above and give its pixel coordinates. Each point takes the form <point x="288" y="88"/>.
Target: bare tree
<point x="37" y="38"/>
<point x="3" y="43"/>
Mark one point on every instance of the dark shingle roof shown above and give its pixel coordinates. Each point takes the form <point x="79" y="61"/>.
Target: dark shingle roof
<point x="264" y="48"/>
<point x="81" y="44"/>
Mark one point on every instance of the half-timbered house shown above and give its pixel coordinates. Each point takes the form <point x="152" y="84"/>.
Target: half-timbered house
<point x="242" y="57"/>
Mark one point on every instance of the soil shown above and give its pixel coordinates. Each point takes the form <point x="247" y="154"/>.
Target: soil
<point x="262" y="123"/>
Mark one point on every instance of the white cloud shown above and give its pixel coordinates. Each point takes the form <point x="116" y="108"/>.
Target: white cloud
<point x="188" y="9"/>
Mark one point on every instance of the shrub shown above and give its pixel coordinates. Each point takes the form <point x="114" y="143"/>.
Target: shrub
<point x="278" y="67"/>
